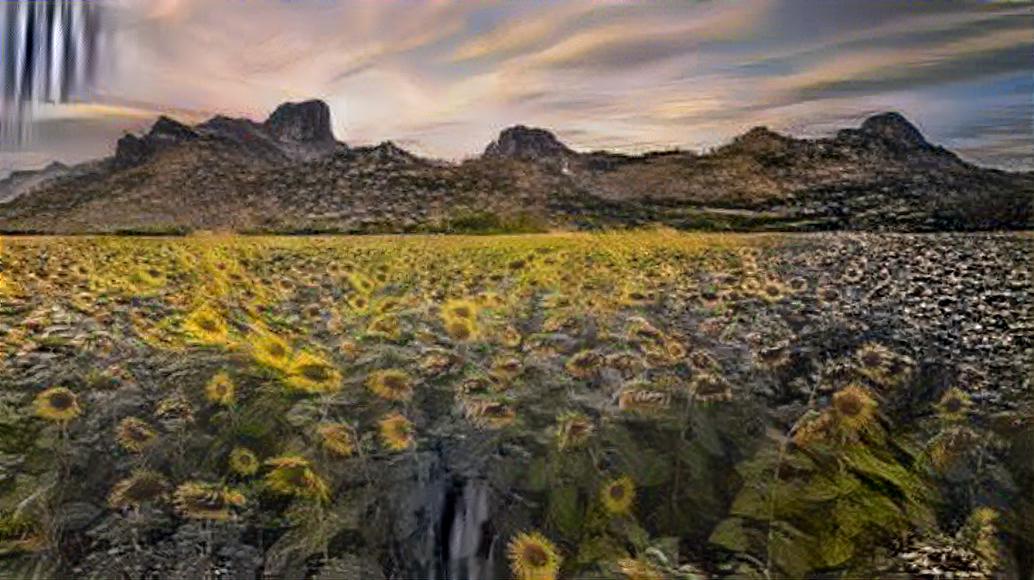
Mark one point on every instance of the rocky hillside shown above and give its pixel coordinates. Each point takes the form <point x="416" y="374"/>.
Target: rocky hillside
<point x="289" y="174"/>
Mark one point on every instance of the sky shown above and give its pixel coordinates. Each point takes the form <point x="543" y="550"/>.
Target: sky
<point x="442" y="78"/>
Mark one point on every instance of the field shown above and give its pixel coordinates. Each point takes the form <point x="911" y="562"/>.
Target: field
<point x="642" y="405"/>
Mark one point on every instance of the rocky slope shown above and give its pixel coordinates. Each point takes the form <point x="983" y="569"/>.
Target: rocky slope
<point x="289" y="174"/>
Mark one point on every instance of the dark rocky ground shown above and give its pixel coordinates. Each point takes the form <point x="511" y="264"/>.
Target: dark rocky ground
<point x="777" y="324"/>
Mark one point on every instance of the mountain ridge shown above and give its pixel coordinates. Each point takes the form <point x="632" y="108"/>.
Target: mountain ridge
<point x="289" y="174"/>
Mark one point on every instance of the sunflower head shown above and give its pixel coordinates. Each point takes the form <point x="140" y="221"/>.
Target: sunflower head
<point x="207" y="501"/>
<point x="461" y="329"/>
<point x="396" y="431"/>
<point x="584" y="364"/>
<point x="954" y="405"/>
<point x="391" y="384"/>
<point x="175" y="411"/>
<point x="488" y="413"/>
<point x="618" y="495"/>
<point x="573" y="430"/>
<point x="134" y="434"/>
<point x="311" y="374"/>
<point x="293" y="475"/>
<point x="220" y="390"/>
<point x="880" y="365"/>
<point x="385" y="326"/>
<point x="854" y="408"/>
<point x="337" y="439"/>
<point x="57" y="404"/>
<point x="507" y="368"/>
<point x="270" y="351"/>
<point x="142" y="486"/>
<point x="533" y="557"/>
<point x="462" y="309"/>
<point x="709" y="388"/>
<point x="243" y="461"/>
<point x="206" y="326"/>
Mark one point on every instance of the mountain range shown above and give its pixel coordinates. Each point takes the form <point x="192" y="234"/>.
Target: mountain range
<point x="289" y="174"/>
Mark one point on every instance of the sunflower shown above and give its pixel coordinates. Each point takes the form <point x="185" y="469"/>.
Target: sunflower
<point x="584" y="364"/>
<point x="337" y="438"/>
<point x="293" y="475"/>
<point x="207" y="501"/>
<point x="618" y="495"/>
<point x="311" y="374"/>
<point x="854" y="408"/>
<point x="636" y="569"/>
<point x="709" y="388"/>
<point x="358" y="303"/>
<point x="772" y="290"/>
<point x="57" y="404"/>
<point x="175" y="411"/>
<point x="270" y="351"/>
<point x="142" y="486"/>
<point x="391" y="384"/>
<point x="206" y="326"/>
<point x="533" y="557"/>
<point x="507" y="368"/>
<point x="461" y="329"/>
<point x="220" y="390"/>
<point x="876" y="362"/>
<point x="386" y="326"/>
<point x="954" y="405"/>
<point x="134" y="434"/>
<point x="952" y="444"/>
<point x="573" y="430"/>
<point x="510" y="337"/>
<point x="489" y="414"/>
<point x="396" y="432"/>
<point x="243" y="461"/>
<point x="640" y="398"/>
<point x="462" y="309"/>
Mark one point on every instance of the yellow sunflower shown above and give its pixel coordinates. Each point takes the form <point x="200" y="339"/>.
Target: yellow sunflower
<point x="220" y="390"/>
<point x="396" y="432"/>
<point x="533" y="557"/>
<point x="57" y="404"/>
<point x="270" y="351"/>
<point x="573" y="430"/>
<point x="134" y="434"/>
<point x="206" y="326"/>
<point x="618" y="495"/>
<point x="142" y="486"/>
<point x="854" y="408"/>
<point x="337" y="438"/>
<point x="391" y="384"/>
<point x="311" y="374"/>
<point x="293" y="475"/>
<point x="243" y="461"/>
<point x="207" y="501"/>
<point x="954" y="405"/>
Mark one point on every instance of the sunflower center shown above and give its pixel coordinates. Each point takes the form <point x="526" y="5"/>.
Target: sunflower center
<point x="62" y="401"/>
<point x="617" y="492"/>
<point x="850" y="405"/>
<point x="953" y="405"/>
<point x="536" y="555"/>
<point x="207" y="324"/>
<point x="872" y="359"/>
<point x="315" y="372"/>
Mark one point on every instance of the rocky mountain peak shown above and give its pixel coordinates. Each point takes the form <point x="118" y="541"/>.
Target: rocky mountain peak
<point x="895" y="128"/>
<point x="527" y="143"/>
<point x="169" y="129"/>
<point x="304" y="122"/>
<point x="759" y="139"/>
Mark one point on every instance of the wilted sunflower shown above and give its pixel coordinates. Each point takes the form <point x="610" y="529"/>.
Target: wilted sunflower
<point x="640" y="398"/>
<point x="142" y="486"/>
<point x="584" y="364"/>
<point x="337" y="438"/>
<point x="618" y="495"/>
<point x="391" y="384"/>
<point x="636" y="569"/>
<point x="510" y="337"/>
<point x="311" y="374"/>
<point x="57" y="404"/>
<point x="854" y="408"/>
<point x="220" y="390"/>
<point x="954" y="405"/>
<point x="270" y="351"/>
<point x="488" y="413"/>
<point x="573" y="430"/>
<point x="708" y="388"/>
<point x="207" y="501"/>
<point x="533" y="557"/>
<point x="293" y="475"/>
<point x="134" y="434"/>
<point x="206" y="326"/>
<point x="175" y="411"/>
<point x="243" y="461"/>
<point x="396" y="432"/>
<point x="952" y="444"/>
